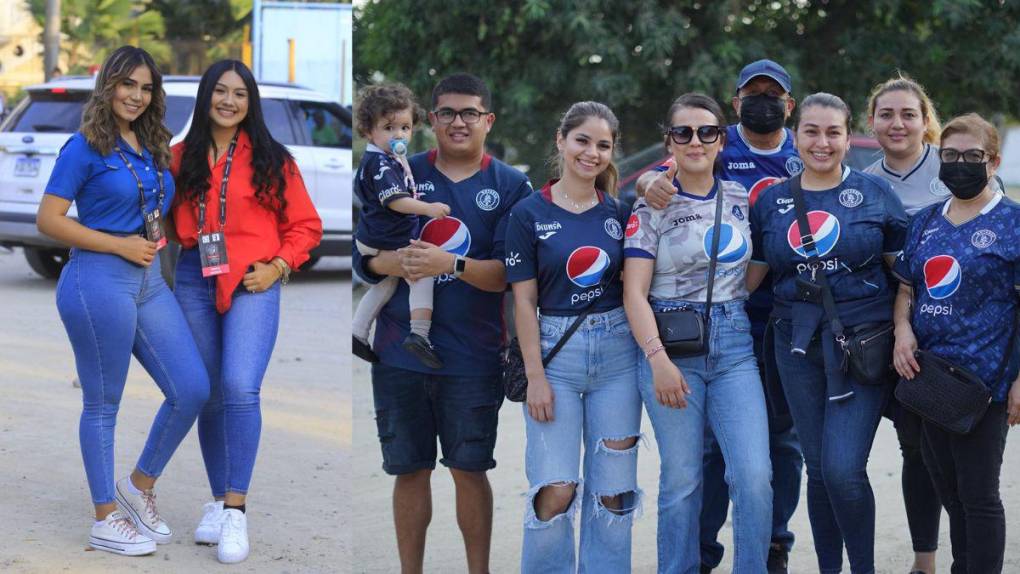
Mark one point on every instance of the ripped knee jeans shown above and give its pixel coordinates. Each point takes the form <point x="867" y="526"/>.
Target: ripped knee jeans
<point x="596" y="402"/>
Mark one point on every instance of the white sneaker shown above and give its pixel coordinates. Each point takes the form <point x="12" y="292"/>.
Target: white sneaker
<point x="118" y="534"/>
<point x="142" y="510"/>
<point x="233" y="537"/>
<point x="208" y="531"/>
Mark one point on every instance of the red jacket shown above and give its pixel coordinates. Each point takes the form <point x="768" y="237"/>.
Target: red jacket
<point x="253" y="232"/>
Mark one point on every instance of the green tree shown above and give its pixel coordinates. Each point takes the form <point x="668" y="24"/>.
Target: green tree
<point x="94" y="28"/>
<point x="541" y="55"/>
<point x="201" y="31"/>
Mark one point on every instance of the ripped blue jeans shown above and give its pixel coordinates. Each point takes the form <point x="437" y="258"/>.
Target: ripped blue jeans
<point x="595" y="399"/>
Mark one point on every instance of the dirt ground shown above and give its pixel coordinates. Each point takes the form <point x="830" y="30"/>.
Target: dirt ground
<point x="375" y="544"/>
<point x="298" y="509"/>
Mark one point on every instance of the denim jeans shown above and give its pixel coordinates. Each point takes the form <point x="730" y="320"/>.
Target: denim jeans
<point x="787" y="468"/>
<point x="595" y="397"/>
<point x="112" y="309"/>
<point x="965" y="469"/>
<point x="235" y="348"/>
<point x="726" y="394"/>
<point x="836" y="438"/>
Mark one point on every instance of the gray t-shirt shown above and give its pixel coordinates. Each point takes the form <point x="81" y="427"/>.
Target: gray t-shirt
<point x="679" y="239"/>
<point x="920" y="185"/>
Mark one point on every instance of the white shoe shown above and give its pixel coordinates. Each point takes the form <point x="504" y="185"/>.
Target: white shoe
<point x="233" y="537"/>
<point x="142" y="510"/>
<point x="208" y="531"/>
<point x="118" y="534"/>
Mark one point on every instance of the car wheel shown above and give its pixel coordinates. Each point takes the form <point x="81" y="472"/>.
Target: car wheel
<point x="310" y="263"/>
<point x="46" y="262"/>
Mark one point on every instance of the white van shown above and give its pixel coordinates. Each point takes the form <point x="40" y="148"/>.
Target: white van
<point x="35" y="130"/>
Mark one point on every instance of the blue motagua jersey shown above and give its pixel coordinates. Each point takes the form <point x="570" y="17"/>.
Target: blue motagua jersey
<point x="757" y="169"/>
<point x="379" y="182"/>
<point x="853" y="224"/>
<point x="572" y="255"/>
<point x="467" y="323"/>
<point x="965" y="279"/>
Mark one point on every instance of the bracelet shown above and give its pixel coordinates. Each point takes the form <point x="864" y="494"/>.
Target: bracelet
<point x="650" y="354"/>
<point x="283" y="268"/>
<point x="650" y="339"/>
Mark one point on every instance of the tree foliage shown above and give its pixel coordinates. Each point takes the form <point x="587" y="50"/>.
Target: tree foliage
<point x="539" y="56"/>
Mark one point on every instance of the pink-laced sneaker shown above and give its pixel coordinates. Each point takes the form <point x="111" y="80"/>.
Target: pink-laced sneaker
<point x="118" y="534"/>
<point x="142" y="510"/>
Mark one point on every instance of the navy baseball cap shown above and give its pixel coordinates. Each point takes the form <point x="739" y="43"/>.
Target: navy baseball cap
<point x="766" y="68"/>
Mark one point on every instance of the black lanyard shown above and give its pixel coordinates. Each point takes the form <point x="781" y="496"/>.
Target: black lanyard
<point x="223" y="189"/>
<point x="141" y="187"/>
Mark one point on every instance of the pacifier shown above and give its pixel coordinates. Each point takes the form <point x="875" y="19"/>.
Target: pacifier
<point x="398" y="146"/>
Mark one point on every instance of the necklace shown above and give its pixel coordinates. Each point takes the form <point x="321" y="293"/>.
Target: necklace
<point x="579" y="207"/>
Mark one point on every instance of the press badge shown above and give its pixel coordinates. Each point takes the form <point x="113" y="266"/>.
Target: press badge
<point x="212" y="248"/>
<point x="154" y="229"/>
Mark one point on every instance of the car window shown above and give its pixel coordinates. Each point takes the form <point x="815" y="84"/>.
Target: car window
<point x="325" y="125"/>
<point x="49" y="111"/>
<point x="278" y="121"/>
<point x="178" y="112"/>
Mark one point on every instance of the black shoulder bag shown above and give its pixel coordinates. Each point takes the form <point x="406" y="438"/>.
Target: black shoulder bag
<point x="684" y="332"/>
<point x="868" y="349"/>
<point x="945" y="394"/>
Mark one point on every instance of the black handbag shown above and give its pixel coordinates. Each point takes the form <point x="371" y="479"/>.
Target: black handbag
<point x="868" y="348"/>
<point x="515" y="379"/>
<point x="944" y="394"/>
<point x="684" y="332"/>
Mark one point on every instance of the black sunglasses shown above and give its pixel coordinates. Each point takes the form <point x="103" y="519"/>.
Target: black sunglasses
<point x="684" y="134"/>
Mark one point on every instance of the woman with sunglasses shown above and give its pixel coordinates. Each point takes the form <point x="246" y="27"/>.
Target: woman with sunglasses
<point x="112" y="298"/>
<point x="959" y="273"/>
<point x="667" y="257"/>
<point x="856" y="222"/>
<point x="245" y="221"/>
<point x="906" y="125"/>
<point x="568" y="241"/>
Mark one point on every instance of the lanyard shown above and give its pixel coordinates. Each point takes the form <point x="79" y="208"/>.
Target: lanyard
<point x="141" y="187"/>
<point x="223" y="189"/>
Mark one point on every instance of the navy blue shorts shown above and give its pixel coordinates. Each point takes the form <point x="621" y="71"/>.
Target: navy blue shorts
<point x="413" y="409"/>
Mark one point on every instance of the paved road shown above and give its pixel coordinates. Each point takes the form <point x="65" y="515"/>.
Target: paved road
<point x="375" y="547"/>
<point x="299" y="501"/>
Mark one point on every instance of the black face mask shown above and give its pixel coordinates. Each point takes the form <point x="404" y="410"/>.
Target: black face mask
<point x="964" y="180"/>
<point x="762" y="113"/>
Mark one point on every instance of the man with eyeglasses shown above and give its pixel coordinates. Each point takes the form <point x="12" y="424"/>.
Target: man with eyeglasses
<point x="759" y="152"/>
<point x="459" y="403"/>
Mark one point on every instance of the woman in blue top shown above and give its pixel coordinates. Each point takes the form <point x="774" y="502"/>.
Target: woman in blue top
<point x="564" y="249"/>
<point x="960" y="271"/>
<point x="111" y="296"/>
<point x="857" y="222"/>
<point x="667" y="264"/>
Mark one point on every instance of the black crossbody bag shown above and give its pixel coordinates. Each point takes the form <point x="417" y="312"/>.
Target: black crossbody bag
<point x="515" y="380"/>
<point x="868" y="348"/>
<point x="944" y="394"/>
<point x="684" y="332"/>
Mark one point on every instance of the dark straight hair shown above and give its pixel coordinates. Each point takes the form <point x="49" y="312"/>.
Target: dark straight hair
<point x="269" y="157"/>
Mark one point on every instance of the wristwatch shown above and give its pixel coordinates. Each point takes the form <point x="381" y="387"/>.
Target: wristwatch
<point x="459" y="264"/>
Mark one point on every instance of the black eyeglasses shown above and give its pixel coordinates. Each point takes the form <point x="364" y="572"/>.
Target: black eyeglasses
<point x="469" y="115"/>
<point x="950" y="155"/>
<point x="684" y="134"/>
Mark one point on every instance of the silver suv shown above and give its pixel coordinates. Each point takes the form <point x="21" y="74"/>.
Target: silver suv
<point x="316" y="130"/>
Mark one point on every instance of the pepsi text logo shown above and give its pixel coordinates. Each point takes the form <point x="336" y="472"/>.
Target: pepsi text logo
<point x="942" y="276"/>
<point x="449" y="234"/>
<point x="936" y="310"/>
<point x="823" y="265"/>
<point x="732" y="243"/>
<point x="576" y="298"/>
<point x="824" y="228"/>
<point x="586" y="265"/>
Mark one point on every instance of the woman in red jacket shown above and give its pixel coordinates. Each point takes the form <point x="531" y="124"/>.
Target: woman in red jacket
<point x="245" y="220"/>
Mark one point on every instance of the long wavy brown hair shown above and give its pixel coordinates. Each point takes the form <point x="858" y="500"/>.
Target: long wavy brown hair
<point x="98" y="124"/>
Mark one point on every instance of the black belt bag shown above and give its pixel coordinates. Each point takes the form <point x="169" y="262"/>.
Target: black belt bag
<point x="684" y="332"/>
<point x="944" y="394"/>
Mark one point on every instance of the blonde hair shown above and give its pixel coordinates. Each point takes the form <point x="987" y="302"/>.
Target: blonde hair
<point x="98" y="124"/>
<point x="575" y="116"/>
<point x="904" y="83"/>
<point x="977" y="126"/>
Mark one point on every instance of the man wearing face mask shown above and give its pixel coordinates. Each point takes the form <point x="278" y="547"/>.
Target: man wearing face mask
<point x="759" y="152"/>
